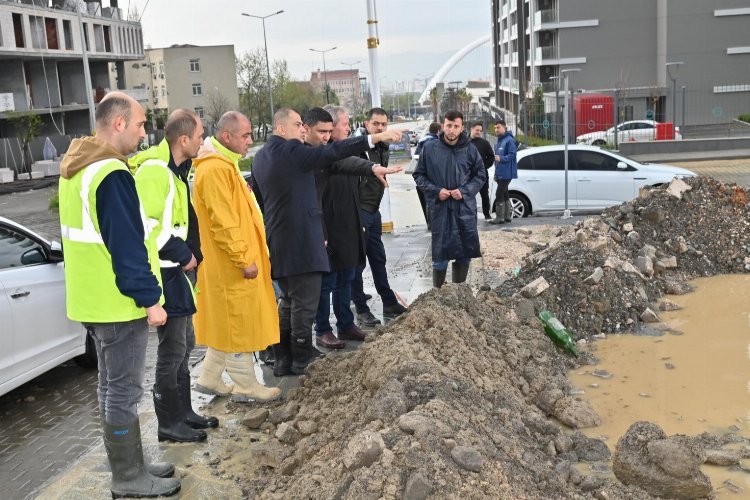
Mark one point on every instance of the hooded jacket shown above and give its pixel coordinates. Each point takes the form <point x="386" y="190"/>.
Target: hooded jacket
<point x="506" y="149"/>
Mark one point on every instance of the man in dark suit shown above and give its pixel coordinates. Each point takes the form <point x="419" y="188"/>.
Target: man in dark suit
<point x="284" y="169"/>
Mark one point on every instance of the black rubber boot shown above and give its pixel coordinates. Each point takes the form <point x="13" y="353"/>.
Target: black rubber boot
<point x="129" y="476"/>
<point x="499" y="214"/>
<point x="438" y="277"/>
<point x="459" y="272"/>
<point x="158" y="469"/>
<point x="303" y="353"/>
<point x="283" y="360"/>
<point x="172" y="426"/>
<point x="191" y="418"/>
<point x="508" y="211"/>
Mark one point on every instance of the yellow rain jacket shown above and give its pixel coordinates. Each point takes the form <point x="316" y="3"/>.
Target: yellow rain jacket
<point x="234" y="314"/>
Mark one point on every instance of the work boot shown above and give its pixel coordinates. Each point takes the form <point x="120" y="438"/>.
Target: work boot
<point x="352" y="333"/>
<point x="125" y="455"/>
<point x="508" y="211"/>
<point x="191" y="418"/>
<point x="329" y="341"/>
<point x="158" y="469"/>
<point x="367" y="319"/>
<point x="459" y="272"/>
<point x="210" y="381"/>
<point x="241" y="370"/>
<point x="499" y="214"/>
<point x="393" y="309"/>
<point x="438" y="277"/>
<point x="170" y="415"/>
<point x="283" y="364"/>
<point x="303" y="353"/>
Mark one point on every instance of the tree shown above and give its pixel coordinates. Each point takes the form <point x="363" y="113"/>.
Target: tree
<point x="434" y="102"/>
<point x="216" y="105"/>
<point x="251" y="75"/>
<point x="464" y="101"/>
<point x="28" y="126"/>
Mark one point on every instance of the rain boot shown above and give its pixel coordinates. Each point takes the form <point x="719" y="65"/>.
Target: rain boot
<point x="210" y="381"/>
<point x="499" y="213"/>
<point x="241" y="370"/>
<point x="459" y="272"/>
<point x="191" y="418"/>
<point x="169" y="413"/>
<point x="158" y="469"/>
<point x="438" y="277"/>
<point x="125" y="455"/>
<point x="508" y="211"/>
<point x="303" y="353"/>
<point x="283" y="357"/>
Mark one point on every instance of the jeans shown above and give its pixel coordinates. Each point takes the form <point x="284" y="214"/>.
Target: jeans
<point x="176" y="342"/>
<point x="442" y="265"/>
<point x="376" y="258"/>
<point x="121" y="348"/>
<point x="298" y="304"/>
<point x="338" y="283"/>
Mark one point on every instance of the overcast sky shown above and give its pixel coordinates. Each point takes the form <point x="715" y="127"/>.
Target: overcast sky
<point x="416" y="36"/>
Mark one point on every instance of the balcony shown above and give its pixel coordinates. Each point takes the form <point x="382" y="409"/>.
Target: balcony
<point x="546" y="53"/>
<point x="505" y="34"/>
<point x="514" y="59"/>
<point x="514" y="31"/>
<point x="545" y="17"/>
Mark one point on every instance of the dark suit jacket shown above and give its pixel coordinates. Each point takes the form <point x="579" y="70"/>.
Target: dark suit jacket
<point x="284" y="171"/>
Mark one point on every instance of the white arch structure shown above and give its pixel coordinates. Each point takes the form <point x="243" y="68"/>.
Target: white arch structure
<point x="450" y="63"/>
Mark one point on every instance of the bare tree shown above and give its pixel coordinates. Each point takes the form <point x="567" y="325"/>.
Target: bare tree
<point x="216" y="105"/>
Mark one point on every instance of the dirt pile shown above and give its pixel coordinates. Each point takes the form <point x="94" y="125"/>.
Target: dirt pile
<point x="608" y="273"/>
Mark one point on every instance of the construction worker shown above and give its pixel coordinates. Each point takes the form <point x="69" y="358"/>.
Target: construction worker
<point x="112" y="283"/>
<point x="161" y="180"/>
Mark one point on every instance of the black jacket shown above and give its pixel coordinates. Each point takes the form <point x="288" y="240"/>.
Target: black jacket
<point x="284" y="171"/>
<point x="454" y="222"/>
<point x="485" y="151"/>
<point x="371" y="189"/>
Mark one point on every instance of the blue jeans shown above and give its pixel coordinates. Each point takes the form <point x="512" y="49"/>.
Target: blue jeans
<point x="376" y="258"/>
<point x="338" y="284"/>
<point x="442" y="265"/>
<point x="121" y="348"/>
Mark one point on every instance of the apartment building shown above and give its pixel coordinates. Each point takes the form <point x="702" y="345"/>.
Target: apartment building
<point x="344" y="83"/>
<point x="41" y="59"/>
<point x="203" y="79"/>
<point x="633" y="47"/>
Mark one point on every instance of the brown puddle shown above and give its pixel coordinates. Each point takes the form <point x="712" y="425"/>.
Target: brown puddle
<point x="687" y="384"/>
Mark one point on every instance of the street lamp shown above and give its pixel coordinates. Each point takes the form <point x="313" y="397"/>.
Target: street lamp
<point x="325" y="75"/>
<point x="351" y="64"/>
<point x="674" y="88"/>
<point x="564" y="73"/>
<point x="268" y="67"/>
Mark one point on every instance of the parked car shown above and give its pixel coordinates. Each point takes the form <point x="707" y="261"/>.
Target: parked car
<point x="597" y="179"/>
<point x="635" y="130"/>
<point x="35" y="332"/>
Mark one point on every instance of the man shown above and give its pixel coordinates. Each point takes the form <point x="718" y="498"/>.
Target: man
<point x="111" y="283"/>
<point x="431" y="135"/>
<point x="284" y="169"/>
<point x="370" y="194"/>
<point x="450" y="173"/>
<point x="161" y="180"/>
<point x="236" y="304"/>
<point x="505" y="171"/>
<point x="339" y="195"/>
<point x="488" y="158"/>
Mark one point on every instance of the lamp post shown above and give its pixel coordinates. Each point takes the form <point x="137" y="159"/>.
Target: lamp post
<point x="325" y="75"/>
<point x="564" y="73"/>
<point x="557" y="101"/>
<point x="268" y="67"/>
<point x="351" y="65"/>
<point x="674" y="88"/>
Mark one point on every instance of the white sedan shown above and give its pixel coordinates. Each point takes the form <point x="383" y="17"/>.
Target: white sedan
<point x="35" y="332"/>
<point x="597" y="179"/>
<point x="632" y="131"/>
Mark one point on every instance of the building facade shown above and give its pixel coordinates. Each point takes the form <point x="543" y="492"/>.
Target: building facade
<point x="344" y="83"/>
<point x="626" y="47"/>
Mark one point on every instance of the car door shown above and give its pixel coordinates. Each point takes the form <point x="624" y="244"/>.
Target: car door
<point x="6" y="337"/>
<point x="35" y="290"/>
<point x="599" y="183"/>
<point x="545" y="181"/>
<point x="644" y="131"/>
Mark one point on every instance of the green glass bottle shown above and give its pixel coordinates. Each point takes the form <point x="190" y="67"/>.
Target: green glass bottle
<point x="557" y="332"/>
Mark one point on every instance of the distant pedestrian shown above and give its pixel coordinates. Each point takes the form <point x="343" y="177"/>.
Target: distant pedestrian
<point x="450" y="172"/>
<point x="488" y="158"/>
<point x="506" y="170"/>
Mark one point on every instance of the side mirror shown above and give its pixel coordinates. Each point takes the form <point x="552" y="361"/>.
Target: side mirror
<point x="55" y="252"/>
<point x="33" y="256"/>
<point x="621" y="165"/>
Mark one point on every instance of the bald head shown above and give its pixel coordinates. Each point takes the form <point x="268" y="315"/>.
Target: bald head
<point x="180" y="122"/>
<point x="113" y="105"/>
<point x="288" y="124"/>
<point x="234" y="131"/>
<point x="120" y="121"/>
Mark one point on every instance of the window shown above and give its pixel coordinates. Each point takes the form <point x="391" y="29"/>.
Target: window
<point x="554" y="160"/>
<point x="525" y="164"/>
<point x="99" y="37"/>
<point x="50" y="25"/>
<point x="195" y="65"/>
<point x="199" y="112"/>
<point x="155" y="93"/>
<point x="163" y="91"/>
<point x="107" y="40"/>
<point x="86" y="36"/>
<point x="593" y="161"/>
<point x="67" y="35"/>
<point x="17" y="250"/>
<point x="37" y="31"/>
<point x="197" y="89"/>
<point x="161" y="70"/>
<point x="18" y="30"/>
<point x="153" y="71"/>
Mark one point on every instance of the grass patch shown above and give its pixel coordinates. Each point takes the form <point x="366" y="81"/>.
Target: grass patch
<point x="536" y="141"/>
<point x="745" y="117"/>
<point x="246" y="164"/>
<point x="54" y="201"/>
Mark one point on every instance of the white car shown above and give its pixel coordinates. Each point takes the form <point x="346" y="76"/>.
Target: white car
<point x="35" y="332"/>
<point x="632" y="131"/>
<point x="597" y="179"/>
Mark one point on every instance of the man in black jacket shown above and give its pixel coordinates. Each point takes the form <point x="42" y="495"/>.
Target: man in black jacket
<point x="284" y="169"/>
<point x="488" y="158"/>
<point x="370" y="196"/>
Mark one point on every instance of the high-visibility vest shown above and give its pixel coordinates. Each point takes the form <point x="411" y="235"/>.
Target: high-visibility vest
<point x="91" y="291"/>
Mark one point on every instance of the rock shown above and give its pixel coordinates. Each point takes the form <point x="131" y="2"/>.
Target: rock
<point x="307" y="427"/>
<point x="616" y="236"/>
<point x="421" y="425"/>
<point x="286" y="433"/>
<point x="664" y="467"/>
<point x="649" y="316"/>
<point x="285" y="413"/>
<point x="612" y="263"/>
<point x="634" y="238"/>
<point x="673" y="287"/>
<point x="467" y="458"/>
<point x="363" y="450"/>
<point x="627" y="227"/>
<point x="388" y="402"/>
<point x="563" y="469"/>
<point x="723" y="457"/>
<point x="550" y="449"/>
<point x="523" y="231"/>
<point x="645" y="265"/>
<point x="627" y="267"/>
<point x="563" y="443"/>
<point x="594" y="277"/>
<point x="666" y="263"/>
<point x="576" y="413"/>
<point x="681" y="245"/>
<point x="535" y="288"/>
<point x="590" y="449"/>
<point x="591" y="483"/>
<point x="547" y="399"/>
<point x="269" y="454"/>
<point x="582" y="236"/>
<point x="417" y="487"/>
<point x="677" y="187"/>
<point x="254" y="418"/>
<point x="597" y="244"/>
<point x="647" y="251"/>
<point x="668" y="305"/>
<point x="653" y="215"/>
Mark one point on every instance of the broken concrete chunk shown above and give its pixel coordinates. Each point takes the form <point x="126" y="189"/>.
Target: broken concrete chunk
<point x="723" y="457"/>
<point x="666" y="263"/>
<point x="649" y="316"/>
<point x="627" y="227"/>
<point x="363" y="450"/>
<point x="535" y="288"/>
<point x="286" y="433"/>
<point x="594" y="277"/>
<point x="254" y="418"/>
<point x="647" y="251"/>
<point x="677" y="187"/>
<point x="645" y="265"/>
<point x="418" y="487"/>
<point x="576" y="413"/>
<point x="467" y="458"/>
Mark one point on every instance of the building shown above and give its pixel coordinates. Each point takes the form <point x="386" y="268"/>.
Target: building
<point x="41" y="60"/>
<point x="203" y="79"/>
<point x="625" y="47"/>
<point x="344" y="83"/>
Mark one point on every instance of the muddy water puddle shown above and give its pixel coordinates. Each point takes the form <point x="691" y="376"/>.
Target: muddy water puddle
<point x="693" y="380"/>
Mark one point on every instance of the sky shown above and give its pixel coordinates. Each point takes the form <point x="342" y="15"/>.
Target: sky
<point x="416" y="36"/>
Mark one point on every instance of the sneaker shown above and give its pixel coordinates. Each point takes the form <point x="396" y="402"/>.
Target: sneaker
<point x="394" y="309"/>
<point x="367" y="319"/>
<point x="352" y="333"/>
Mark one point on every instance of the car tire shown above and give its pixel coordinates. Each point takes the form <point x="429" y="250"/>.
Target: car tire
<point x="89" y="359"/>
<point x="599" y="143"/>
<point x="520" y="204"/>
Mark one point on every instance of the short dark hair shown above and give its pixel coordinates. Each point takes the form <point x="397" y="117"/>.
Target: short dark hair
<point x="317" y="115"/>
<point x="376" y="111"/>
<point x="500" y="121"/>
<point x="454" y="115"/>
<point x="476" y="124"/>
<point x="180" y="122"/>
<point x="111" y="107"/>
<point x="435" y="127"/>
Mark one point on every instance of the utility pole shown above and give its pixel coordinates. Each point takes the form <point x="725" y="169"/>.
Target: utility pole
<point x="87" y="73"/>
<point x="325" y="73"/>
<point x="268" y="67"/>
